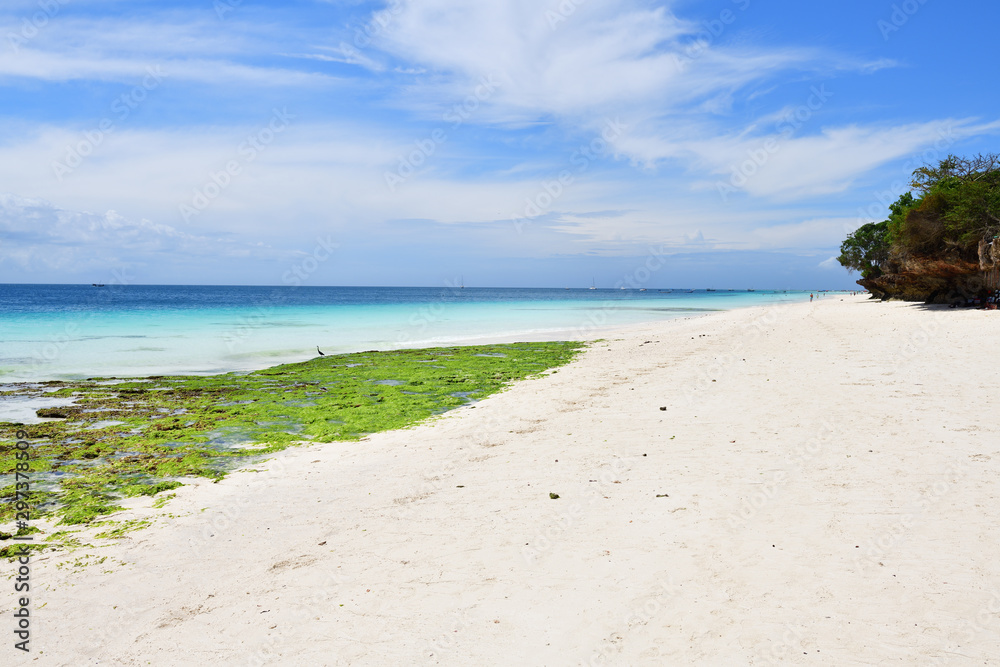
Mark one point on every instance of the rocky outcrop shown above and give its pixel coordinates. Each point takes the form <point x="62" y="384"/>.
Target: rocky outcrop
<point x="989" y="261"/>
<point x="927" y="279"/>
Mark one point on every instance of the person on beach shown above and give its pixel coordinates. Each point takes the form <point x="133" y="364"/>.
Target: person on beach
<point x="810" y="297"/>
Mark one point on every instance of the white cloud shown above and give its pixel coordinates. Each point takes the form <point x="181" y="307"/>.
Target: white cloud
<point x="47" y="66"/>
<point x="671" y="85"/>
<point x="603" y="58"/>
<point x="329" y="179"/>
<point x="781" y="166"/>
<point x="812" y="233"/>
<point x="36" y="235"/>
<point x="121" y="50"/>
<point x="345" y="53"/>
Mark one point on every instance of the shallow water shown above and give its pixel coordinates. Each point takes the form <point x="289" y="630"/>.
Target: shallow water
<point x="76" y="331"/>
<point x="21" y="409"/>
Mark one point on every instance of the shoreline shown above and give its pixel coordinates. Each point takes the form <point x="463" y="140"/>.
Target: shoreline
<point x="104" y="439"/>
<point x="821" y="486"/>
<point x="246" y="338"/>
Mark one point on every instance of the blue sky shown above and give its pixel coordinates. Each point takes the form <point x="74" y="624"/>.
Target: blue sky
<point x="520" y="143"/>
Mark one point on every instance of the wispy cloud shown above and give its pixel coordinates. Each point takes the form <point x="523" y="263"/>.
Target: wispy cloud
<point x="784" y="166"/>
<point x="603" y="57"/>
<point x="36" y="234"/>
<point x="344" y="53"/>
<point x="74" y="49"/>
<point x="647" y="66"/>
<point x="35" y="64"/>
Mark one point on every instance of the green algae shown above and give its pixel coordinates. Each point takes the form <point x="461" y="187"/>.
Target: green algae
<point x="127" y="437"/>
<point x="120" y="529"/>
<point x="162" y="501"/>
<point x="13" y="551"/>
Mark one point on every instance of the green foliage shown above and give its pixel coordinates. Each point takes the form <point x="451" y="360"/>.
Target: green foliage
<point x="972" y="210"/>
<point x="867" y="249"/>
<point x="958" y="205"/>
<point x="898" y="211"/>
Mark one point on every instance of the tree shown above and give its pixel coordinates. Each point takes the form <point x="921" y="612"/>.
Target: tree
<point x="960" y="204"/>
<point x="961" y="169"/>
<point x="934" y="238"/>
<point x="867" y="249"/>
<point x="897" y="215"/>
<point x="957" y="206"/>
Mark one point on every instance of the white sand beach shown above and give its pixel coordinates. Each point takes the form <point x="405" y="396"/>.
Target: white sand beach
<point x="821" y="488"/>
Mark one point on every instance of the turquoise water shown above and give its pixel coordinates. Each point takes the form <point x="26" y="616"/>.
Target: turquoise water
<point x="75" y="331"/>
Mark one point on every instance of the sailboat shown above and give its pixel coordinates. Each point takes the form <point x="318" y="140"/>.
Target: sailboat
<point x="593" y="284"/>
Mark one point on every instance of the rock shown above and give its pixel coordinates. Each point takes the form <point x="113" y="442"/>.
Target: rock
<point x="52" y="413"/>
<point x="910" y="277"/>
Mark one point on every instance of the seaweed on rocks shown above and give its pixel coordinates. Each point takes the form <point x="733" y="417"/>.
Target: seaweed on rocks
<point x="143" y="436"/>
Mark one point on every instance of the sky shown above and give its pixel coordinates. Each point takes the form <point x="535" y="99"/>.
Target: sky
<point x="532" y="143"/>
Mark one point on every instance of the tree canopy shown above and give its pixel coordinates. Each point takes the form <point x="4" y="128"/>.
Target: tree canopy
<point x="957" y="204"/>
<point x="867" y="249"/>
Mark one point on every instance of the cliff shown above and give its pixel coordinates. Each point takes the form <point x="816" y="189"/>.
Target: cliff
<point x="941" y="246"/>
<point x="943" y="279"/>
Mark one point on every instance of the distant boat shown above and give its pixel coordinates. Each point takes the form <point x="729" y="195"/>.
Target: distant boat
<point x="750" y="290"/>
<point x="622" y="287"/>
<point x="593" y="284"/>
<point x="97" y="284"/>
<point x="462" y="286"/>
<point x="642" y="289"/>
<point x="710" y="290"/>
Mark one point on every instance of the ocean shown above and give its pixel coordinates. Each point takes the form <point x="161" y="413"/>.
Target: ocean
<point x="79" y="331"/>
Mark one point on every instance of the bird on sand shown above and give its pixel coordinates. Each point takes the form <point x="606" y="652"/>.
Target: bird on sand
<point x="320" y="351"/>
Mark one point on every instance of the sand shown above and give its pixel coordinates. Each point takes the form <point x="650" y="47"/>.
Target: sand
<point x="822" y="488"/>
